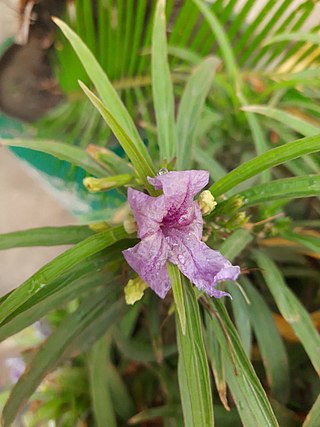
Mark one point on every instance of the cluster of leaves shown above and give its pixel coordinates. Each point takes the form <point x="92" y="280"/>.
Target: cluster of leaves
<point x="141" y="364"/>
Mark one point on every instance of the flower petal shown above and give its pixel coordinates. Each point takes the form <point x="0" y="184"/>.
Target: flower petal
<point x="148" y="211"/>
<point x="201" y="264"/>
<point x="179" y="188"/>
<point x="148" y="258"/>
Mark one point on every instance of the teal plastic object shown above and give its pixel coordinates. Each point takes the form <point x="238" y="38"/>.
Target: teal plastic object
<point x="62" y="179"/>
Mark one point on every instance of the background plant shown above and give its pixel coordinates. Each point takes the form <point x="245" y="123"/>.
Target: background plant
<point x="259" y="221"/>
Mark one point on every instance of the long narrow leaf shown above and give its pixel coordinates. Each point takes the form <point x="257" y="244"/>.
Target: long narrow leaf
<point x="308" y="241"/>
<point x="190" y="109"/>
<point x="291" y="308"/>
<point x="45" y="236"/>
<point x="104" y="87"/>
<point x="216" y="360"/>
<point x="271" y="158"/>
<point x="286" y="188"/>
<point x="271" y="346"/>
<point x="99" y="388"/>
<point x="67" y="152"/>
<point x="234" y="75"/>
<point x="297" y="37"/>
<point x="162" y="86"/>
<point x="248" y="394"/>
<point x="288" y="119"/>
<point x="193" y="372"/>
<point x="60" y="264"/>
<point x="133" y="152"/>
<point x="312" y="419"/>
<point x="55" y="349"/>
<point x="66" y="291"/>
<point x="178" y="294"/>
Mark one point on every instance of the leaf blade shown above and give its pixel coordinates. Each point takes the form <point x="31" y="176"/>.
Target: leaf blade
<point x="190" y="108"/>
<point x="178" y="294"/>
<point x="286" y="188"/>
<point x="45" y="236"/>
<point x="104" y="87"/>
<point x="133" y="152"/>
<point x="290" y="308"/>
<point x="60" y="264"/>
<point x="67" y="152"/>
<point x="162" y="88"/>
<point x="99" y="388"/>
<point x="267" y="160"/>
<point x="193" y="372"/>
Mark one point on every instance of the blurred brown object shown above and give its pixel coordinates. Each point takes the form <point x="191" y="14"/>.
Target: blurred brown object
<point x="25" y="11"/>
<point x="28" y="88"/>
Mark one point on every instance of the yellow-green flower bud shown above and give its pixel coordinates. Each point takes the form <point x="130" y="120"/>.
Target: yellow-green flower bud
<point x="206" y="202"/>
<point x="99" y="226"/>
<point x="239" y="219"/>
<point x="103" y="184"/>
<point x="130" y="225"/>
<point x="108" y="159"/>
<point x="134" y="290"/>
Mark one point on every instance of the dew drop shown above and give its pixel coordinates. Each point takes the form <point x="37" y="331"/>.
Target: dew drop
<point x="181" y="259"/>
<point x="163" y="171"/>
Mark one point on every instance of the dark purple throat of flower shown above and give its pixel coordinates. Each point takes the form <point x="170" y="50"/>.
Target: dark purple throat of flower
<point x="170" y="228"/>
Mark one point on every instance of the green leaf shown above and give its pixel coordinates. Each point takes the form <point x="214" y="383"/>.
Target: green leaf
<point x="291" y="308"/>
<point x="271" y="158"/>
<point x="54" y="296"/>
<point x="67" y="152"/>
<point x="217" y="363"/>
<point x="248" y="394"/>
<point x="105" y="89"/>
<point x="193" y="372"/>
<point x="241" y="308"/>
<point x="286" y="188"/>
<point x="310" y="242"/>
<point x="134" y="153"/>
<point x="99" y="388"/>
<point x="208" y="163"/>
<point x="166" y="411"/>
<point x="312" y="419"/>
<point x="234" y="75"/>
<point x="122" y="401"/>
<point x="222" y="39"/>
<point x="138" y="349"/>
<point x="271" y="346"/>
<point x="231" y="248"/>
<point x="57" y="347"/>
<point x="288" y="119"/>
<point x="190" y="109"/>
<point x="235" y="244"/>
<point x="162" y="89"/>
<point x="297" y="37"/>
<point x="178" y="294"/>
<point x="45" y="236"/>
<point x="60" y="264"/>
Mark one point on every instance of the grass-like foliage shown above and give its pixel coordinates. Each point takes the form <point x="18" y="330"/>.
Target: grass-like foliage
<point x="219" y="92"/>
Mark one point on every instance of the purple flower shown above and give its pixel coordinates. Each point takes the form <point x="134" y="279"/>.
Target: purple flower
<point x="16" y="368"/>
<point x="170" y="229"/>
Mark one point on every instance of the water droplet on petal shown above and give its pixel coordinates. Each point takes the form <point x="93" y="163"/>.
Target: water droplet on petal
<point x="181" y="259"/>
<point x="163" y="171"/>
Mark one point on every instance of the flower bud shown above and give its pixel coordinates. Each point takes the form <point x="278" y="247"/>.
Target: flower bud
<point x="206" y="202"/>
<point x="134" y="290"/>
<point x="239" y="219"/>
<point x="99" y="226"/>
<point x="108" y="159"/>
<point x="130" y="225"/>
<point x="103" y="184"/>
